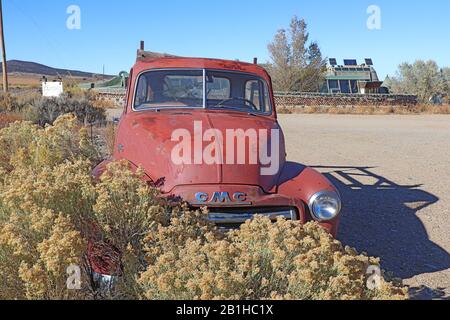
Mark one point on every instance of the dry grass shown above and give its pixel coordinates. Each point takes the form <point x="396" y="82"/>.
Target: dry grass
<point x="25" y="80"/>
<point x="7" y="119"/>
<point x="105" y="104"/>
<point x="444" y="109"/>
<point x="110" y="138"/>
<point x="104" y="138"/>
<point x="366" y="110"/>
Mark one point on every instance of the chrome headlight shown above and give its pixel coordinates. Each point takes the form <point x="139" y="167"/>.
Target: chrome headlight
<point x="325" y="205"/>
<point x="104" y="284"/>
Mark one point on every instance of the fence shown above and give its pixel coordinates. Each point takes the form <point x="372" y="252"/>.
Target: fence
<point x="292" y="99"/>
<point x="314" y="99"/>
<point x="340" y="99"/>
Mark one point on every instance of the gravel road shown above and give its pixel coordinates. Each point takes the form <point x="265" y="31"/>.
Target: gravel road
<point x="394" y="176"/>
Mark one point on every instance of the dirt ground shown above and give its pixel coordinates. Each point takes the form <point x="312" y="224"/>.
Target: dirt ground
<point x="394" y="176"/>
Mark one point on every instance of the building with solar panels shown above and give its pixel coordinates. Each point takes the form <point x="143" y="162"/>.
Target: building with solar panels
<point x="352" y="78"/>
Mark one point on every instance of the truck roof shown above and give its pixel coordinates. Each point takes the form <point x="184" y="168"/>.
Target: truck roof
<point x="163" y="61"/>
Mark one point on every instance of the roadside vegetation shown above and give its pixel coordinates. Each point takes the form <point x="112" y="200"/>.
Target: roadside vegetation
<point x="366" y="110"/>
<point x="39" y="110"/>
<point x="425" y="79"/>
<point x="54" y="214"/>
<point x="297" y="65"/>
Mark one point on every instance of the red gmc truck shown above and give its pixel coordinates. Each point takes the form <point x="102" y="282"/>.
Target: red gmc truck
<point x="207" y="130"/>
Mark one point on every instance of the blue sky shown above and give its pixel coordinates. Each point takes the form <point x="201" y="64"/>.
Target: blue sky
<point x="232" y="29"/>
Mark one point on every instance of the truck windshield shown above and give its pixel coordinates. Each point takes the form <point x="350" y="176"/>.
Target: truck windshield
<point x="202" y="89"/>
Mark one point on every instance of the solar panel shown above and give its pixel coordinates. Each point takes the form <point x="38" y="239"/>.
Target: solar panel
<point x="333" y="62"/>
<point x="369" y="62"/>
<point x="350" y="62"/>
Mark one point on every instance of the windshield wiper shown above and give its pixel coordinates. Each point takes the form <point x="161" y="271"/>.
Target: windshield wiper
<point x="245" y="110"/>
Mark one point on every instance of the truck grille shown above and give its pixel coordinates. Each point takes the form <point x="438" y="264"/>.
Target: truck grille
<point x="232" y="218"/>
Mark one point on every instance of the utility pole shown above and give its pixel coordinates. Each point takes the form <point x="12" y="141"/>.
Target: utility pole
<point x="2" y="41"/>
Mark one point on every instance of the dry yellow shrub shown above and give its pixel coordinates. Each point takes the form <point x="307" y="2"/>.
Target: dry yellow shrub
<point x="126" y="208"/>
<point x="109" y="135"/>
<point x="51" y="209"/>
<point x="128" y="211"/>
<point x="105" y="104"/>
<point x="261" y="261"/>
<point x="46" y="199"/>
<point x="24" y="144"/>
<point x="42" y="244"/>
<point x="47" y="277"/>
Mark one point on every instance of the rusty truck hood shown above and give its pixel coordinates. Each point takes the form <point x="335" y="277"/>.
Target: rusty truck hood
<point x="147" y="141"/>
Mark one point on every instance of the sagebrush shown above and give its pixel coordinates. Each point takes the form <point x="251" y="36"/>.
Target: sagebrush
<point x="41" y="110"/>
<point x="49" y="109"/>
<point x="262" y="260"/>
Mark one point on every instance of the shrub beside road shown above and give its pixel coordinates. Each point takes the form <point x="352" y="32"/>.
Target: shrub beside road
<point x="54" y="214"/>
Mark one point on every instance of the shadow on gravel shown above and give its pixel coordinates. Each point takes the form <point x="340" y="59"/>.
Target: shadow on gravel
<point x="380" y="218"/>
<point x="426" y="293"/>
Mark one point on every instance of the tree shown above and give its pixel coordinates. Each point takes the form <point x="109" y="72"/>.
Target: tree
<point x="280" y="68"/>
<point x="296" y="64"/>
<point x="446" y="75"/>
<point x="422" y="78"/>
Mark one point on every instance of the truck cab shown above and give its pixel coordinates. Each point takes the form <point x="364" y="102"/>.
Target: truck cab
<point x="206" y="131"/>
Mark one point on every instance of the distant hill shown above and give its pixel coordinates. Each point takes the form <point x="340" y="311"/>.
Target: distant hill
<point x="17" y="66"/>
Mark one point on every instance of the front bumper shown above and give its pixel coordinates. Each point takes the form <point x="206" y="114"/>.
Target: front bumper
<point x="259" y="203"/>
<point x="229" y="218"/>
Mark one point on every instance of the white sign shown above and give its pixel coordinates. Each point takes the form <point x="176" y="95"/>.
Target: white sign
<point x="52" y="89"/>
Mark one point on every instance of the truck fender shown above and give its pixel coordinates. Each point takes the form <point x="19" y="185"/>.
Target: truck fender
<point x="301" y="182"/>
